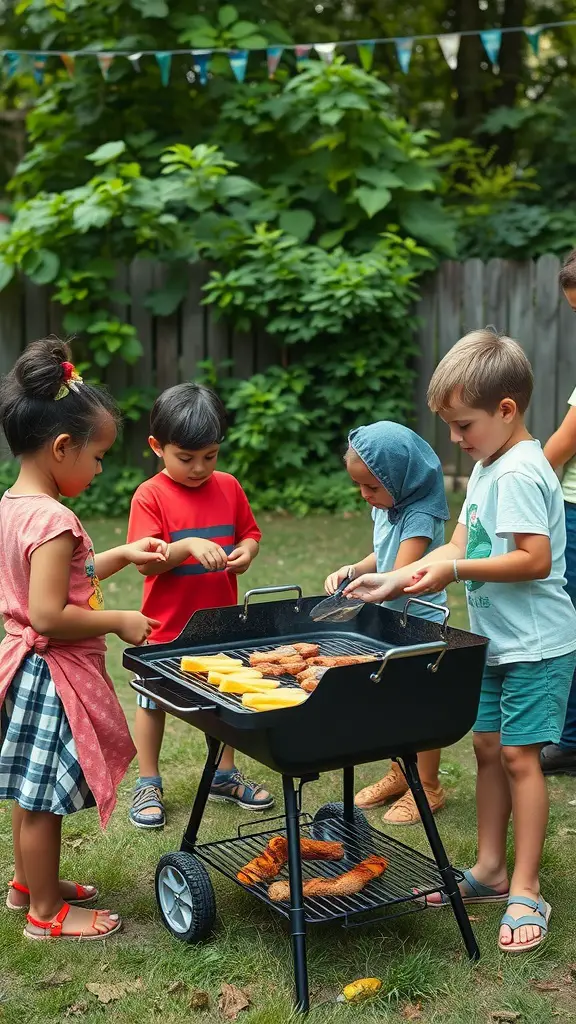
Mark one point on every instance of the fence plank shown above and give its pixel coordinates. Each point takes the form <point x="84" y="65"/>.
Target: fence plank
<point x="141" y="284"/>
<point x="473" y="292"/>
<point x="496" y="309"/>
<point x="166" y="331"/>
<point x="426" y="359"/>
<point x="116" y="375"/>
<point x="268" y="350"/>
<point x="242" y="355"/>
<point x="193" y="349"/>
<point x="450" y="288"/>
<point x="218" y="342"/>
<point x="543" y="420"/>
<point x="36" y="302"/>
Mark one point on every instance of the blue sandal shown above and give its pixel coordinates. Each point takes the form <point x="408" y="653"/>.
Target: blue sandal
<point x="472" y="891"/>
<point x="143" y="798"/>
<point x="539" y="919"/>
<point x="235" y="788"/>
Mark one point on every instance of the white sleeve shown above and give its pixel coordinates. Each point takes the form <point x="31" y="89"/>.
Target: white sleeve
<point x="463" y="517"/>
<point x="521" y="506"/>
<point x="572" y="399"/>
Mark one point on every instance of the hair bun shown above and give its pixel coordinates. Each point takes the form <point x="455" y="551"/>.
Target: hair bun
<point x="39" y="370"/>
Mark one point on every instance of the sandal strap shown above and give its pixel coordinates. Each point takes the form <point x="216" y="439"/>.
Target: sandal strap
<point x="19" y="888"/>
<point x="538" y="920"/>
<point x="233" y="784"/>
<point x="54" y="926"/>
<point x="527" y="901"/>
<point x="147" y="796"/>
<point x="476" y="888"/>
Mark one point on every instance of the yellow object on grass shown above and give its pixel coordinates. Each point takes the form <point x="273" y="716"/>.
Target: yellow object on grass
<point x="283" y="697"/>
<point x="359" y="990"/>
<point x="240" y="684"/>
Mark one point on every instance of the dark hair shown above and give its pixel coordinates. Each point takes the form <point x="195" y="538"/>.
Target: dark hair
<point x="190" y="416"/>
<point x="30" y="416"/>
<point x="567" y="276"/>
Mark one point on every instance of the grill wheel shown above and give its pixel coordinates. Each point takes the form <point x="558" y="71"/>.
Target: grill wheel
<point x="185" y="897"/>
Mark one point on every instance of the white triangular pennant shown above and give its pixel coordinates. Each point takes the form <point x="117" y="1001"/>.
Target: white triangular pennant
<point x="450" y="44"/>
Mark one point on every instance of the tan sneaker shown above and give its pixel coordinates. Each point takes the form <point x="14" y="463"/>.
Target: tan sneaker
<point x="389" y="788"/>
<point x="405" y="812"/>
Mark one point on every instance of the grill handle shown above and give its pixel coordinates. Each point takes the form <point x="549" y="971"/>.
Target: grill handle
<point x="137" y="684"/>
<point x="412" y="651"/>
<point x="271" y="590"/>
<point x="427" y="604"/>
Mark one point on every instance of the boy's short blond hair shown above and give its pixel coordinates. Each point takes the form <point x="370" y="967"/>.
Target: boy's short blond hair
<point x="479" y="371"/>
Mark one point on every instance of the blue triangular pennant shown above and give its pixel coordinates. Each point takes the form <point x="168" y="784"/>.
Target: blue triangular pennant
<point x="492" y="40"/>
<point x="366" y="53"/>
<point x="238" y="62"/>
<point x="164" y="60"/>
<point x="201" y="64"/>
<point x="533" y="35"/>
<point x="13" y="61"/>
<point x="273" y="57"/>
<point x="404" y="52"/>
<point x="38" y="67"/>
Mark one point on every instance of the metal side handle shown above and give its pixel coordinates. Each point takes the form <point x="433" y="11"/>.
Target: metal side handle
<point x="427" y="604"/>
<point x="138" y="685"/>
<point x="271" y="590"/>
<point x="413" y="651"/>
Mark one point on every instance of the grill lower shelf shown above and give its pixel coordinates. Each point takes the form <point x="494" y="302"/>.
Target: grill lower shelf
<point x="407" y="870"/>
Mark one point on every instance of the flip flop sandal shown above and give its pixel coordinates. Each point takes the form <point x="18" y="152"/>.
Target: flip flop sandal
<point x="143" y="798"/>
<point x="539" y="919"/>
<point x="237" y="789"/>
<point x="83" y="895"/>
<point x="53" y="929"/>
<point x="472" y="891"/>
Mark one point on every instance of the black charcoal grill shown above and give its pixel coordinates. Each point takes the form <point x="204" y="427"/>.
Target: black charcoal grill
<point x="388" y="708"/>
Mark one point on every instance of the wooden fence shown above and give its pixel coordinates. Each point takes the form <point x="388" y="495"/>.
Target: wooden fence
<point x="522" y="299"/>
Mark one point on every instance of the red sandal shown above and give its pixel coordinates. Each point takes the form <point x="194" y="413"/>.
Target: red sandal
<point x="53" y="929"/>
<point x="83" y="895"/>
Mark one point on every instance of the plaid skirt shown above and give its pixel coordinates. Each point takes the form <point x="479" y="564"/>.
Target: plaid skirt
<point x="39" y="766"/>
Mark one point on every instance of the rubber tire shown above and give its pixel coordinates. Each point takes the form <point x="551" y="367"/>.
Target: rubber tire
<point x="336" y="810"/>
<point x="203" y="903"/>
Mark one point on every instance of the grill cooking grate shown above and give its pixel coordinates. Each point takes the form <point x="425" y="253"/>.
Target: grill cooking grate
<point x="170" y="667"/>
<point x="407" y="870"/>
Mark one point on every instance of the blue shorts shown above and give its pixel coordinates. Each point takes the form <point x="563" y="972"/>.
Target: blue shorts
<point x="146" y="702"/>
<point x="526" y="702"/>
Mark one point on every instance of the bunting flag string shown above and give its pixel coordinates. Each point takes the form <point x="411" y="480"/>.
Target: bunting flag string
<point x="14" y="62"/>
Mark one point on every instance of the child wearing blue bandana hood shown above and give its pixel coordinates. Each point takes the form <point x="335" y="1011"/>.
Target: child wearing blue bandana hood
<point x="400" y="476"/>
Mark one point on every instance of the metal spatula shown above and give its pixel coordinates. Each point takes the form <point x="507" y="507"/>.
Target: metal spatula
<point x="337" y="608"/>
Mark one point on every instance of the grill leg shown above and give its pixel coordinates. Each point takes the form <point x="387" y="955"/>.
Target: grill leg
<point x="297" y="920"/>
<point x="348" y="793"/>
<point x="215" y="749"/>
<point x="444" y="866"/>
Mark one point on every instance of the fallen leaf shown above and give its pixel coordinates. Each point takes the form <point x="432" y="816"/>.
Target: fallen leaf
<point x="232" y="1001"/>
<point x="76" y="1010"/>
<point x="175" y="988"/>
<point x="199" y="1000"/>
<point x="55" y="979"/>
<point x="108" y="993"/>
<point x="545" y="986"/>
<point x="412" y="1011"/>
<point x="473" y="918"/>
<point x="504" y="1016"/>
<point x="74" y="842"/>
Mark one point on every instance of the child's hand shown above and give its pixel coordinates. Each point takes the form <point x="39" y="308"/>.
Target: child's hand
<point x="209" y="554"/>
<point x="431" y="578"/>
<point x="239" y="560"/>
<point x="149" y="549"/>
<point x="135" y="628"/>
<point x="333" y="581"/>
<point x="376" y="587"/>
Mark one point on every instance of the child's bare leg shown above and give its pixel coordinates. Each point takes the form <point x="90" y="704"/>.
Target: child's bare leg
<point x="429" y="767"/>
<point x="530" y="807"/>
<point x="494" y="806"/>
<point x="148" y="736"/>
<point x="40" y="839"/>
<point x="227" y="760"/>
<point x="21" y="899"/>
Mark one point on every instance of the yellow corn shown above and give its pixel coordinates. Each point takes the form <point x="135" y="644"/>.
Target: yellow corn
<point x="359" y="990"/>
<point x="205" y="664"/>
<point x="283" y="697"/>
<point x="216" y="677"/>
<point x="239" y="684"/>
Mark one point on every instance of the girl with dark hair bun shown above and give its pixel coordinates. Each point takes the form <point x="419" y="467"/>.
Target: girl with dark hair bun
<point x="64" y="741"/>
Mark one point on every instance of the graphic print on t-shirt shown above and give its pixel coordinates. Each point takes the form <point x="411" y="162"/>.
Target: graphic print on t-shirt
<point x="479" y="544"/>
<point x="96" y="599"/>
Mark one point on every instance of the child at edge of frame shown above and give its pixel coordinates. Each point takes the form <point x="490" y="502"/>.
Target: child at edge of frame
<point x="205" y="517"/>
<point x="508" y="547"/>
<point x="64" y="740"/>
<point x="400" y="476"/>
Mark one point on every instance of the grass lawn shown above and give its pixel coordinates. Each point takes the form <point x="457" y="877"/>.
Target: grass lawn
<point x="419" y="958"/>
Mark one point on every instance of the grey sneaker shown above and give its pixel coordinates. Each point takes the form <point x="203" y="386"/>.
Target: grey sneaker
<point x="143" y="798"/>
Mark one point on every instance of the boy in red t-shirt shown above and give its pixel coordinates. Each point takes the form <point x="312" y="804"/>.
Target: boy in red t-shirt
<point x="205" y="518"/>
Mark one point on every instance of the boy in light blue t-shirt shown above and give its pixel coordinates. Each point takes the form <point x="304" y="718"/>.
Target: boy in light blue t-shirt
<point x="508" y="547"/>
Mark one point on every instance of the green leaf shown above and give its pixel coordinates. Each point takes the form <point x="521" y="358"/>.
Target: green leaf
<point x="74" y="323"/>
<point x="250" y="42"/>
<point x="108" y="152"/>
<point x="244" y="28"/>
<point x="299" y="223"/>
<point x="151" y="8"/>
<point x="416" y="178"/>
<point x="372" y="200"/>
<point x="235" y="185"/>
<point x="42" y="266"/>
<point x="379" y="177"/>
<point x="6" y="274"/>
<point x="428" y="221"/>
<point x="132" y="350"/>
<point x="90" y="215"/>
<point x="331" y="238"/>
<point x="227" y="15"/>
<point x="166" y="300"/>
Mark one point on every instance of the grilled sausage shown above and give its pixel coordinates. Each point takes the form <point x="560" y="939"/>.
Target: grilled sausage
<point x="276" y="655"/>
<point x="340" y="660"/>
<point x="343" y="885"/>
<point x="308" y="650"/>
<point x="275" y="855"/>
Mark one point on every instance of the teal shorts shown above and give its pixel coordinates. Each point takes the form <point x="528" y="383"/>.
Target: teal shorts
<point x="526" y="702"/>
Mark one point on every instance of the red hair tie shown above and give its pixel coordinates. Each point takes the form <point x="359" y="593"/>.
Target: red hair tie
<point x="70" y="379"/>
